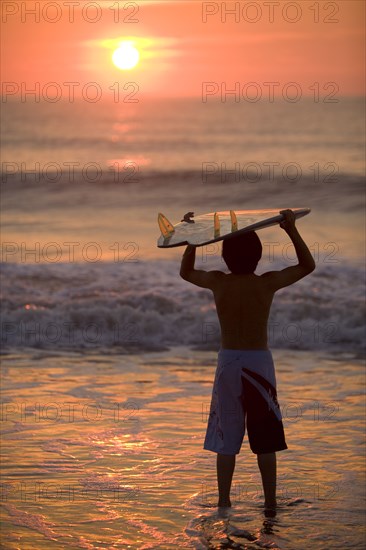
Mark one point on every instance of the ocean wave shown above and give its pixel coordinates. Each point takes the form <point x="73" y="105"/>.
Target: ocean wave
<point x="146" y="305"/>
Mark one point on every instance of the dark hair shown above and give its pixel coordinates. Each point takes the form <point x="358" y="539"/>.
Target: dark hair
<point x="242" y="253"/>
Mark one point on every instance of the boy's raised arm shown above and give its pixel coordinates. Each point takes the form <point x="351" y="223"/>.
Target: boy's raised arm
<point x="189" y="257"/>
<point x="289" y="275"/>
<point x="204" y="279"/>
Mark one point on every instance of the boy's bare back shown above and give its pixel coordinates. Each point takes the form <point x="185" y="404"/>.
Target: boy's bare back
<point x="243" y="301"/>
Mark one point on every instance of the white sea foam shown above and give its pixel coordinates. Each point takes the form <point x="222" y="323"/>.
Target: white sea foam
<point x="146" y="305"/>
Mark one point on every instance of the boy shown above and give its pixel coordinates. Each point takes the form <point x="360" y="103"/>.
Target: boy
<point x="245" y="385"/>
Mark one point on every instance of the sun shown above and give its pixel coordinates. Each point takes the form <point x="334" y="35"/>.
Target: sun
<point x="126" y="56"/>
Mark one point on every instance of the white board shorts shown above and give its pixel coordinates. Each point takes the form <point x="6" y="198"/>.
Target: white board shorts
<point x="244" y="396"/>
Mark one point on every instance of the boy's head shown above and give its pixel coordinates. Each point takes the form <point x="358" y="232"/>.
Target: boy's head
<point x="242" y="253"/>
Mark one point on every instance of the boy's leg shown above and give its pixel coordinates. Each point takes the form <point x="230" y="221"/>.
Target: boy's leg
<point x="225" y="469"/>
<point x="267" y="467"/>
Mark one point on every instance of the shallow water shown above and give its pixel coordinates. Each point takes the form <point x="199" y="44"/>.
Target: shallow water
<point x="105" y="451"/>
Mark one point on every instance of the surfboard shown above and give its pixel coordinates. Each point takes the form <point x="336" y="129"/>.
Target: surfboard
<point x="217" y="226"/>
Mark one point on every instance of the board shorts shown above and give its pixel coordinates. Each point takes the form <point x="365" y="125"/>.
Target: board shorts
<point x="244" y="396"/>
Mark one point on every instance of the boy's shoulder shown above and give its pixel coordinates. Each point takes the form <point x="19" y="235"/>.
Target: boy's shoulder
<point x="228" y="277"/>
<point x="285" y="277"/>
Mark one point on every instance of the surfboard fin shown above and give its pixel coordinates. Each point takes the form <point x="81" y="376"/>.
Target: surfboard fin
<point x="234" y="221"/>
<point x="216" y="225"/>
<point x="165" y="226"/>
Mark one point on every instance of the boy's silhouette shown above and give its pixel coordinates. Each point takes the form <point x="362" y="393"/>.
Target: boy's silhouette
<point x="245" y="386"/>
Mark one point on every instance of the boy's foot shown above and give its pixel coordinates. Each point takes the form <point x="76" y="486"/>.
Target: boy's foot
<point x="224" y="504"/>
<point x="223" y="512"/>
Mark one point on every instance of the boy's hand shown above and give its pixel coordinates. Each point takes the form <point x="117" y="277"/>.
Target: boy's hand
<point x="288" y="224"/>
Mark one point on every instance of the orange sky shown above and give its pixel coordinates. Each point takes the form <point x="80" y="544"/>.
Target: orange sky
<point x="179" y="50"/>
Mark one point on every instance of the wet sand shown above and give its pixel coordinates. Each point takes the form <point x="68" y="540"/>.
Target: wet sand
<point x="105" y="451"/>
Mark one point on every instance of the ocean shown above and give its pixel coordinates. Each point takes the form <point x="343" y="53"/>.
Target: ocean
<point x="108" y="356"/>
